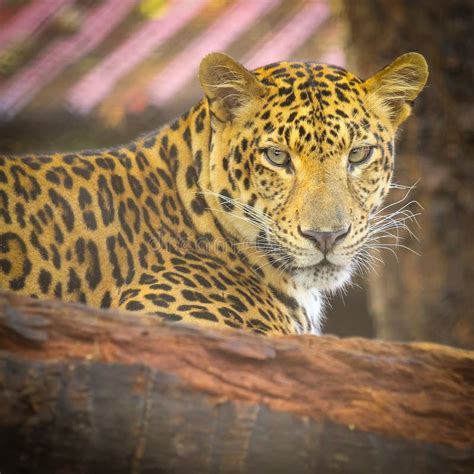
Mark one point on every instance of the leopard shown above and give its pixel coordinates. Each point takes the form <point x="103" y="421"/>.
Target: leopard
<point x="243" y="213"/>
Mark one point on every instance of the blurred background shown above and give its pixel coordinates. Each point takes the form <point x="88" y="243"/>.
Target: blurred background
<point x="80" y="74"/>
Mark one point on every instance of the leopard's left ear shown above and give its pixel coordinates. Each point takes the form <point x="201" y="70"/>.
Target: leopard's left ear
<point x="228" y="85"/>
<point x="396" y="86"/>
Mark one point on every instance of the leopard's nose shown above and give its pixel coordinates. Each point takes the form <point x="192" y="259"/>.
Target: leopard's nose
<point x="325" y="241"/>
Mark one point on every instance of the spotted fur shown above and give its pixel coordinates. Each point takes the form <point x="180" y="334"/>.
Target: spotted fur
<point x="193" y="222"/>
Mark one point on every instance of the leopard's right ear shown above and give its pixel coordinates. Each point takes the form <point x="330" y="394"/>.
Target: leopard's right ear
<point x="228" y="85"/>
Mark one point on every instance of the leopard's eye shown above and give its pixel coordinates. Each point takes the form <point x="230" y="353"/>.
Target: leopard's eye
<point x="276" y="156"/>
<point x="360" y="155"/>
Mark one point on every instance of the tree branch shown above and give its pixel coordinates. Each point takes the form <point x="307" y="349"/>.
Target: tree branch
<point x="84" y="390"/>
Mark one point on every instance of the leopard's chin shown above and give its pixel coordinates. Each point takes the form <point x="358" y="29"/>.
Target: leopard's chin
<point x="324" y="276"/>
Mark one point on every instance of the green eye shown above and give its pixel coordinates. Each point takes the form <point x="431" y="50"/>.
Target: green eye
<point x="276" y="156"/>
<point x="360" y="155"/>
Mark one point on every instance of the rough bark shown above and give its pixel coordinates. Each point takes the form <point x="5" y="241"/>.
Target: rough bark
<point x="85" y="390"/>
<point x="428" y="297"/>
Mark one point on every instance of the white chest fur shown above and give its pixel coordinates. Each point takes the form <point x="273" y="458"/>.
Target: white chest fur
<point x="311" y="302"/>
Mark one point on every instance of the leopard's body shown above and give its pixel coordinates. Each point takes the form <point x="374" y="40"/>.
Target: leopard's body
<point x="193" y="222"/>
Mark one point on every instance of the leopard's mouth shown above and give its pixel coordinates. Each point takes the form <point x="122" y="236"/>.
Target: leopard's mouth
<point x="325" y="263"/>
<point x="296" y="260"/>
<point x="323" y="266"/>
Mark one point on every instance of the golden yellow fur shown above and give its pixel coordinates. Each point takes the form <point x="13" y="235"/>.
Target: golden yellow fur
<point x="239" y="214"/>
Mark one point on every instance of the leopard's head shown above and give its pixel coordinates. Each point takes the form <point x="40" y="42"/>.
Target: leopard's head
<point x="301" y="157"/>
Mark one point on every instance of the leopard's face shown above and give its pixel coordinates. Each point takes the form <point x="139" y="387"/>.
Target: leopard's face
<point x="301" y="169"/>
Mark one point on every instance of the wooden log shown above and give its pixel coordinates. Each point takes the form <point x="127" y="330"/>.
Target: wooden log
<point x="85" y="390"/>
